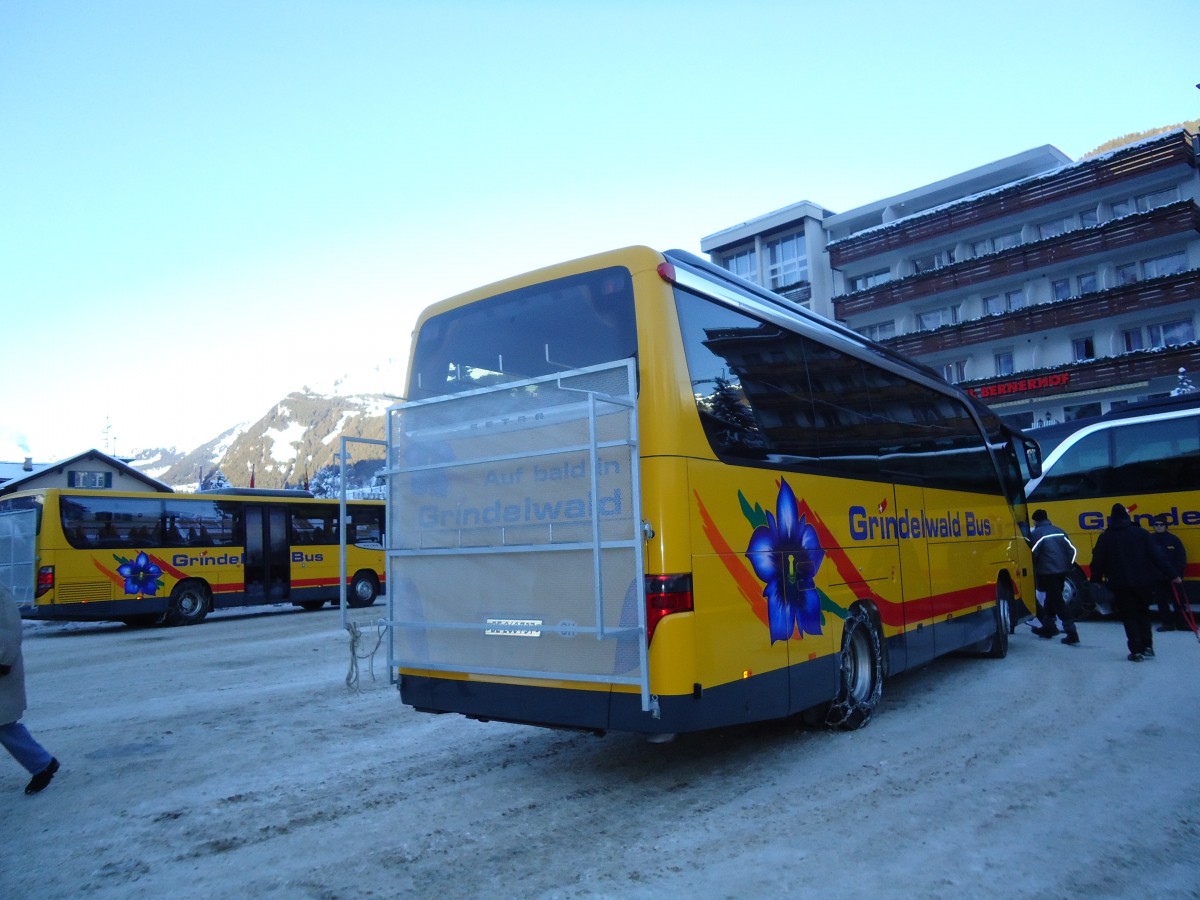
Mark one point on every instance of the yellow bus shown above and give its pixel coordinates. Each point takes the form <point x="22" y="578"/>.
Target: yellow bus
<point x="144" y="558"/>
<point x="634" y="492"/>
<point x="1144" y="455"/>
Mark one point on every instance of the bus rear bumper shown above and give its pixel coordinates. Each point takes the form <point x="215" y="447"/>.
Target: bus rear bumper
<point x="100" y="611"/>
<point x="748" y="700"/>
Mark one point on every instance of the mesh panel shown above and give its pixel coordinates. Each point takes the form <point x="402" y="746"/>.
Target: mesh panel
<point x="18" y="553"/>
<point x="514" y="540"/>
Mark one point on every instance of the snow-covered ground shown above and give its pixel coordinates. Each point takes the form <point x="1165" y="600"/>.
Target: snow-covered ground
<point x="231" y="760"/>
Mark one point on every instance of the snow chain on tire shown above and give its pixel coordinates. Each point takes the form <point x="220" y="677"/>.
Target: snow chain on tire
<point x="847" y="711"/>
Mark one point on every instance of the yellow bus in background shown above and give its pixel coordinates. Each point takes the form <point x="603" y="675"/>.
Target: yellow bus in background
<point x="1143" y="455"/>
<point x="634" y="492"/>
<point x="144" y="558"/>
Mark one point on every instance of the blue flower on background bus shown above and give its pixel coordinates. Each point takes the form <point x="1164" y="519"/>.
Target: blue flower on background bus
<point x="785" y="553"/>
<point x="141" y="575"/>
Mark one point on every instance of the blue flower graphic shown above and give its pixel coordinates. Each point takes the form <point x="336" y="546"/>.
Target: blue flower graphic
<point x="785" y="554"/>
<point x="141" y="575"/>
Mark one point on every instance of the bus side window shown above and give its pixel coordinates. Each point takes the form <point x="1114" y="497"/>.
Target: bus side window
<point x="1082" y="471"/>
<point x="1153" y="457"/>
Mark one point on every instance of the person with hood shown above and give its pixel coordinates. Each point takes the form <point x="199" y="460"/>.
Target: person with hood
<point x="1173" y="550"/>
<point x="14" y="736"/>
<point x="1129" y="561"/>
<point x="1053" y="557"/>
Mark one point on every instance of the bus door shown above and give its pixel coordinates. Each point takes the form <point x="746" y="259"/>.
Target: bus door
<point x="268" y="564"/>
<point x="914" y="574"/>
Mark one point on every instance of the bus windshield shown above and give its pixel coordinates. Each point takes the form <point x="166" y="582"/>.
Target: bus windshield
<point x="570" y="323"/>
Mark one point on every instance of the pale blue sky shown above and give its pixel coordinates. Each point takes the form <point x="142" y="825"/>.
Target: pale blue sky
<point x="206" y="205"/>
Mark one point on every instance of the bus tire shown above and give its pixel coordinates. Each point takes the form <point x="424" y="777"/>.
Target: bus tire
<point x="189" y="603"/>
<point x="997" y="646"/>
<point x="860" y="673"/>
<point x="1078" y="597"/>
<point x="364" y="588"/>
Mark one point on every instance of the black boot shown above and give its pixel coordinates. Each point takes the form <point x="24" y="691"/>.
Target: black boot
<point x="39" y="781"/>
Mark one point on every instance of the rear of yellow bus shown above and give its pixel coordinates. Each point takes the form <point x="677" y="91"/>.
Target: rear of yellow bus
<point x="758" y="592"/>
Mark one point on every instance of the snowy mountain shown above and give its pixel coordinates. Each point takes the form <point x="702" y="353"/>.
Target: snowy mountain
<point x="297" y="437"/>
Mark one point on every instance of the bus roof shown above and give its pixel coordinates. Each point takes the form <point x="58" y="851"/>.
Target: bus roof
<point x="1050" y="436"/>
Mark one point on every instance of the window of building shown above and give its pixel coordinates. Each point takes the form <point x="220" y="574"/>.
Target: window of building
<point x="1002" y="303"/>
<point x="1127" y="274"/>
<point x="1007" y="241"/>
<point x="880" y="331"/>
<point x="1155" y="199"/>
<point x="936" y="318"/>
<point x="1133" y="339"/>
<point x="996" y="244"/>
<point x="1087" y="283"/>
<point x="933" y="261"/>
<point x="744" y="263"/>
<point x="787" y="261"/>
<point x="1171" y="264"/>
<point x="862" y="282"/>
<point x="1053" y="228"/>
<point x="1004" y="363"/>
<point x="1169" y="334"/>
<point x="1080" y="411"/>
<point x="89" y="480"/>
<point x="1121" y="208"/>
<point x="955" y="371"/>
<point x="1089" y="217"/>
<point x="1061" y="288"/>
<point x="1083" y="349"/>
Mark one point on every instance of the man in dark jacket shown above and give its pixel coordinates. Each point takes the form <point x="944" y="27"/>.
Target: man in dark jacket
<point x="1173" y="551"/>
<point x="1128" y="560"/>
<point x="1053" y="557"/>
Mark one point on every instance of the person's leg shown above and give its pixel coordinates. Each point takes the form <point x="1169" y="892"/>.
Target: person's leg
<point x="1057" y="606"/>
<point x="1142" y="623"/>
<point x="1124" y="606"/>
<point x="1166" y="609"/>
<point x="17" y="740"/>
<point x="1046" y="612"/>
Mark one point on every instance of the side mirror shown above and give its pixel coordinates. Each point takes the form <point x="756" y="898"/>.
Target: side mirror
<point x="1033" y="457"/>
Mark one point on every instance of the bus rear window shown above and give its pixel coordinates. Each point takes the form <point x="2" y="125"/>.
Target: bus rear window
<point x="568" y="323"/>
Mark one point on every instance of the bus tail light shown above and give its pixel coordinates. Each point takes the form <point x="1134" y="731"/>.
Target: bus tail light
<point x="666" y="272"/>
<point x="45" y="581"/>
<point x="666" y="594"/>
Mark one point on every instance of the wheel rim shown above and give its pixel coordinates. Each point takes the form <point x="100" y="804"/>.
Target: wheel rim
<point x="858" y="669"/>
<point x="363" y="589"/>
<point x="190" y="603"/>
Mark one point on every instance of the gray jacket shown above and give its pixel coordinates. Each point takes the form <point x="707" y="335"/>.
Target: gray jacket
<point x="12" y="685"/>
<point x="1053" y="552"/>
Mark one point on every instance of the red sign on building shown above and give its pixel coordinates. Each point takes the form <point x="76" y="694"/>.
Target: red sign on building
<point x="1022" y="385"/>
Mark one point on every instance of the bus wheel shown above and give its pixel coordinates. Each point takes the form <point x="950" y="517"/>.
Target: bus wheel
<point x="997" y="646"/>
<point x="860" y="677"/>
<point x="363" y="590"/>
<point x="1078" y="597"/>
<point x="189" y="604"/>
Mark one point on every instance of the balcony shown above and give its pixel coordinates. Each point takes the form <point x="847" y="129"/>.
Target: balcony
<point x="1106" y="372"/>
<point x="1129" y="231"/>
<point x="1021" y="198"/>
<point x="1144" y="295"/>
